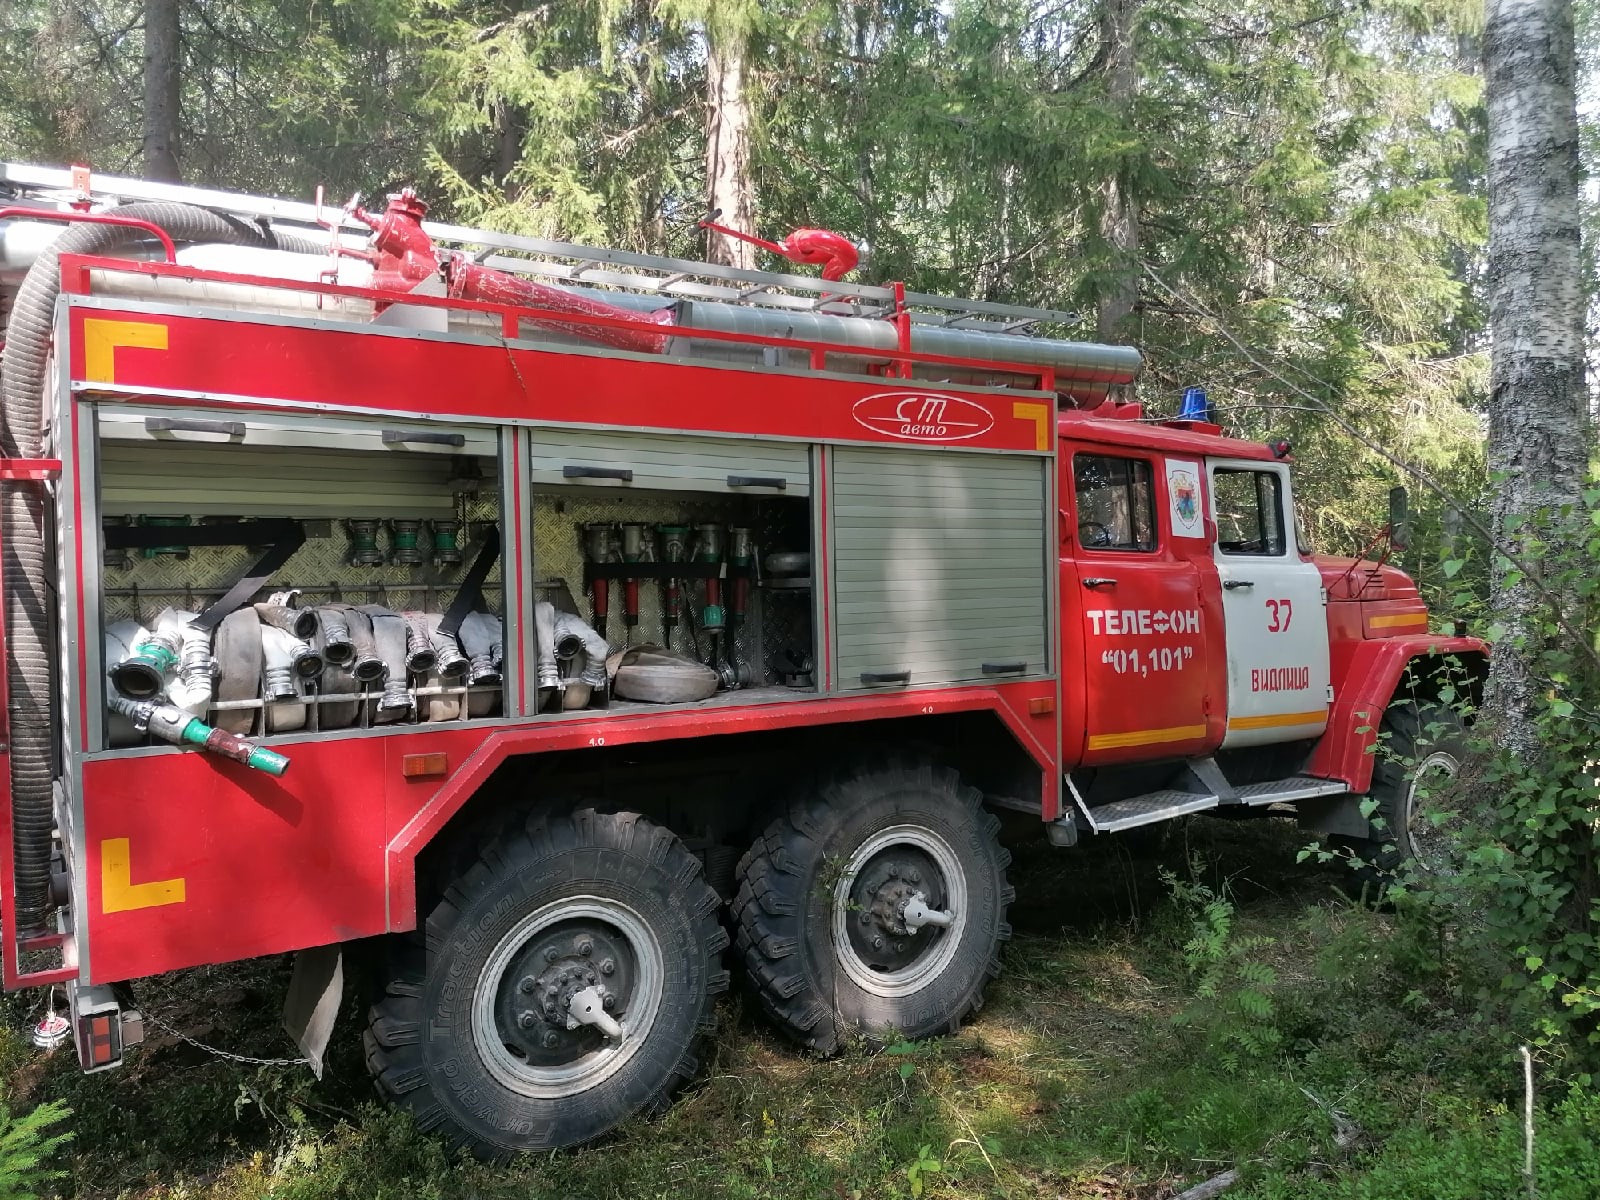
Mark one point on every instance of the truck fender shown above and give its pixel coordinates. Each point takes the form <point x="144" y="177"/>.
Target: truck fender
<point x="1370" y="682"/>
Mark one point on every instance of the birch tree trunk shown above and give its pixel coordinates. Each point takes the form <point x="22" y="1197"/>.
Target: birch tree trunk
<point x="163" y="51"/>
<point x="728" y="183"/>
<point x="1539" y="427"/>
<point x="1119" y="210"/>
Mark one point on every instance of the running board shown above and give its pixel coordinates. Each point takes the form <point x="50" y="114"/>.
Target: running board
<point x="1168" y="803"/>
<point x="1282" y="791"/>
<point x="1148" y="809"/>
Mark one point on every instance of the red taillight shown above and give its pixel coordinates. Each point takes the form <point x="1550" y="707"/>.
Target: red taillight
<point x="99" y="1041"/>
<point x="101" y="1030"/>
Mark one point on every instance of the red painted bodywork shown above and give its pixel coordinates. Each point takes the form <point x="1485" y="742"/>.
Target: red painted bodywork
<point x="1366" y="674"/>
<point x="1179" y="574"/>
<point x="333" y="843"/>
<point x="361" y="368"/>
<point x="327" y="853"/>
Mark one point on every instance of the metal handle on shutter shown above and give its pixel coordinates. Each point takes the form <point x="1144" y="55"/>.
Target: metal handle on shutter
<point x="876" y="677"/>
<point x="777" y="482"/>
<point x="570" y="471"/>
<point x="399" y="437"/>
<point x="232" y="429"/>
<point x="1016" y="667"/>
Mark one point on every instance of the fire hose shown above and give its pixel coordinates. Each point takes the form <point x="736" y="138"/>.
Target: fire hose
<point x="172" y="724"/>
<point x="389" y="638"/>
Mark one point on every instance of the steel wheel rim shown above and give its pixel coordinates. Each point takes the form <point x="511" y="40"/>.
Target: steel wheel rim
<point x="942" y="943"/>
<point x="594" y="1068"/>
<point x="1427" y="842"/>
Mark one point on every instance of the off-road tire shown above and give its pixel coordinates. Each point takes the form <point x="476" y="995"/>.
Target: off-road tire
<point x="784" y="909"/>
<point x="420" y="1041"/>
<point x="1415" y="740"/>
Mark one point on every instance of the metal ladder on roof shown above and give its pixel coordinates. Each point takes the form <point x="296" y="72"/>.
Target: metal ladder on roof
<point x="559" y="262"/>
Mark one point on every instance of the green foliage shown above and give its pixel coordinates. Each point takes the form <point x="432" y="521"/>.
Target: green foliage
<point x="1516" y="920"/>
<point x="1466" y="1151"/>
<point x="1308" y="177"/>
<point x="26" y="1146"/>
<point x="1233" y="1005"/>
<point x="926" y="1164"/>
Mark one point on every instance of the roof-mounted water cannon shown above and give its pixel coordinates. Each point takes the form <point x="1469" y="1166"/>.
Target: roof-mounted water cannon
<point x="401" y="252"/>
<point x="403" y="257"/>
<point x="835" y="253"/>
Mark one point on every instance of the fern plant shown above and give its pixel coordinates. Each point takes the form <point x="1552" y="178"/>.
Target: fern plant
<point x="1233" y="1005"/>
<point x="26" y="1144"/>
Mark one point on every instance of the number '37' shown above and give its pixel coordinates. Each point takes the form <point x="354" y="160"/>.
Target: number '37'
<point x="1280" y="612"/>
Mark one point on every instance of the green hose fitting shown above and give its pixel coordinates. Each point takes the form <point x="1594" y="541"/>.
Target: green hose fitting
<point x="270" y="761"/>
<point x="172" y="724"/>
<point x="405" y="540"/>
<point x="364" y="550"/>
<point x="446" y="543"/>
<point x="178" y="551"/>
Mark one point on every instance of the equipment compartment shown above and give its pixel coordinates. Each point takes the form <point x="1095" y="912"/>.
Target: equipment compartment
<point x="761" y="641"/>
<point x="391" y="519"/>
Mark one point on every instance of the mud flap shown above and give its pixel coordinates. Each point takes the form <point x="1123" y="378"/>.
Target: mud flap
<point x="1339" y="815"/>
<point x="315" y="989"/>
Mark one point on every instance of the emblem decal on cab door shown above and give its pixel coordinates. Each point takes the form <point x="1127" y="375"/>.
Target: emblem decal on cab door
<point x="923" y="416"/>
<point x="1183" y="496"/>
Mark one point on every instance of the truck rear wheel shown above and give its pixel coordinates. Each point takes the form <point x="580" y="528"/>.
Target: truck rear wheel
<point x="558" y="988"/>
<point x="876" y="906"/>
<point x="1421" y="753"/>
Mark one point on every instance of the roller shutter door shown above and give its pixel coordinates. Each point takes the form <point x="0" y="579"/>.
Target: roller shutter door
<point x="940" y="564"/>
<point x="296" y="467"/>
<point x="681" y="462"/>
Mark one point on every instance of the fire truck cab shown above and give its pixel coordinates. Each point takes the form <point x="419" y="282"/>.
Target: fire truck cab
<point x="548" y="618"/>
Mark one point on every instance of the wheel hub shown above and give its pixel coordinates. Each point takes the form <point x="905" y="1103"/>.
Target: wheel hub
<point x="566" y="999"/>
<point x="897" y="918"/>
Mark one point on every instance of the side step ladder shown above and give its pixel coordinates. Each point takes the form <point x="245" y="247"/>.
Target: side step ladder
<point x="1211" y="791"/>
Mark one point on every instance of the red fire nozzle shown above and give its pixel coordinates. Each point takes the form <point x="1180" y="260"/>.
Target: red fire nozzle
<point x="837" y="254"/>
<point x="405" y="254"/>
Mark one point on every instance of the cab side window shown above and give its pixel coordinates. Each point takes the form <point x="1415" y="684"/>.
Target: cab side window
<point x="1249" y="508"/>
<point x="1116" y="502"/>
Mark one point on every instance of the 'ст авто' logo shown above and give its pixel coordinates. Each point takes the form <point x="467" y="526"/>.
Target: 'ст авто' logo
<point x="923" y="416"/>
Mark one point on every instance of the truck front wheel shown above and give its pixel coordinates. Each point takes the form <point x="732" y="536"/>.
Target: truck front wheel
<point x="558" y="988"/>
<point x="875" y="906"/>
<point x="1419" y="754"/>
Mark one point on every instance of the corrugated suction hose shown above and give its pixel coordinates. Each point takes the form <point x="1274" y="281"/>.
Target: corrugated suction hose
<point x="29" y="602"/>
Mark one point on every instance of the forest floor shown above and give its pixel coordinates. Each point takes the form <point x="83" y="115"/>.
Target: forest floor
<point x="1171" y="1006"/>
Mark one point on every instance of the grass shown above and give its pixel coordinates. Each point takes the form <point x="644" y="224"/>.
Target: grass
<point x="1094" y="1071"/>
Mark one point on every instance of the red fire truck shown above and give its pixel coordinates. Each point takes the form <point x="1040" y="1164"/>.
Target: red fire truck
<point x="580" y="627"/>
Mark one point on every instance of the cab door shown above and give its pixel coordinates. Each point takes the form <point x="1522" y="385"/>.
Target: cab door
<point x="1274" y="608"/>
<point x="1133" y="588"/>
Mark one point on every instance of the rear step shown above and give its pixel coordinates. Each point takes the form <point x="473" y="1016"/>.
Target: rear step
<point x="1167" y="803"/>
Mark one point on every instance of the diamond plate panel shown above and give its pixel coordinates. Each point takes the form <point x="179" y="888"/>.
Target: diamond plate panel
<point x="141" y="587"/>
